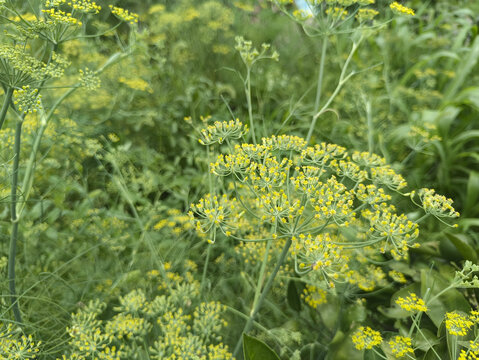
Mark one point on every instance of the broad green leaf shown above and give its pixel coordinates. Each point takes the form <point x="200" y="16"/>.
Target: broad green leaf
<point x="465" y="224"/>
<point x="342" y="347"/>
<point x="425" y="340"/>
<point x="464" y="68"/>
<point x="255" y="349"/>
<point x="472" y="191"/>
<point x="462" y="244"/>
<point x="293" y="297"/>
<point x="432" y="283"/>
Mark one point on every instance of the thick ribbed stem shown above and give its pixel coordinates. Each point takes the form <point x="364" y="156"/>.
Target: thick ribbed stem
<point x="6" y="104"/>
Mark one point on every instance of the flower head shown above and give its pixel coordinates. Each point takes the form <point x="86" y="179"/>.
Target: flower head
<point x="400" y="346"/>
<point x="401" y="9"/>
<point x="458" y="324"/>
<point x="412" y="303"/>
<point x="366" y="338"/>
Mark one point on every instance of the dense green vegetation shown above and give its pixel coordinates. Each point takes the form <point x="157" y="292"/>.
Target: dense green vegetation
<point x="243" y="179"/>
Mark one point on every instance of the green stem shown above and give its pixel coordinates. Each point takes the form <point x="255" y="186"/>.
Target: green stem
<point x="205" y="268"/>
<point x="370" y="127"/>
<point x="260" y="283"/>
<point x="250" y="107"/>
<point x="320" y="74"/>
<point x="14" y="234"/>
<point x="261" y="299"/>
<point x="343" y="78"/>
<point x="6" y="104"/>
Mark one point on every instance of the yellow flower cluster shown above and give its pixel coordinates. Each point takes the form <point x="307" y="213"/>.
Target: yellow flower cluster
<point x="188" y="328"/>
<point x="367" y="159"/>
<point x="89" y="79"/>
<point x="136" y="84"/>
<point x="61" y="17"/>
<point x="321" y="154"/>
<point x="435" y="204"/>
<point x="412" y="303"/>
<point x="13" y="346"/>
<point x="472" y="353"/>
<point x="349" y="169"/>
<point x="368" y="278"/>
<point x="28" y="101"/>
<point x="22" y="69"/>
<point x="176" y="221"/>
<point x="319" y="253"/>
<point x="128" y="326"/>
<point x="371" y="194"/>
<point x="366" y="338"/>
<point x="85" y="6"/>
<point x="337" y="12"/>
<point x="385" y="175"/>
<point x="401" y="346"/>
<point x="213" y="212"/>
<point x="270" y="175"/>
<point x="333" y="200"/>
<point x="397" y="276"/>
<point x="397" y="231"/>
<point x="283" y="143"/>
<point x="458" y="324"/>
<point x="314" y="296"/>
<point x="223" y="131"/>
<point x="277" y="208"/>
<point x="124" y="14"/>
<point x="366" y="14"/>
<point x="401" y="9"/>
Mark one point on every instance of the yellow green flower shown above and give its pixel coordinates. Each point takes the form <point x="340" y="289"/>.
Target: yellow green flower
<point x="458" y="324"/>
<point x="400" y="346"/>
<point x="366" y="338"/>
<point x="412" y="303"/>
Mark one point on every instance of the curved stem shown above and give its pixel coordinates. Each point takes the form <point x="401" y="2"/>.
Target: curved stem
<point x="343" y="78"/>
<point x="6" y="103"/>
<point x="261" y="299"/>
<point x="14" y="219"/>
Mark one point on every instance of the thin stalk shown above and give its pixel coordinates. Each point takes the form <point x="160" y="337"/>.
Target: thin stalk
<point x="205" y="268"/>
<point x="260" y="283"/>
<point x="343" y="78"/>
<point x="370" y="127"/>
<point x="319" y="87"/>
<point x="28" y="177"/>
<point x="250" y="107"/>
<point x="261" y="299"/>
<point x="6" y="104"/>
<point x="14" y="219"/>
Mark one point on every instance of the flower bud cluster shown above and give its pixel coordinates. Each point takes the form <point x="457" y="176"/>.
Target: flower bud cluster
<point x="16" y="346"/>
<point x="223" y="131"/>
<point x="213" y="212"/>
<point x="27" y="101"/>
<point x="250" y="54"/>
<point x="174" y="325"/>
<point x="89" y="79"/>
<point x="124" y="14"/>
<point x="437" y="205"/>
<point x="61" y="17"/>
<point x="310" y="195"/>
